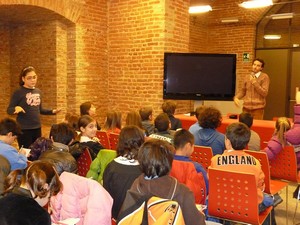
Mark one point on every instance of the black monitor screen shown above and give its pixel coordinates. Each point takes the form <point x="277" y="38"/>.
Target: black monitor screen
<point x="199" y="76"/>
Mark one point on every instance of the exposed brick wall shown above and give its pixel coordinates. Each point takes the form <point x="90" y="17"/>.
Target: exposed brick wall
<point x="91" y="75"/>
<point x="230" y="38"/>
<point x="71" y="59"/>
<point x="111" y="52"/>
<point x="138" y="35"/>
<point x="4" y="68"/>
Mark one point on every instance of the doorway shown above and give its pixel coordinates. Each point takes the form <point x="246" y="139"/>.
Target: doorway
<point x="281" y="66"/>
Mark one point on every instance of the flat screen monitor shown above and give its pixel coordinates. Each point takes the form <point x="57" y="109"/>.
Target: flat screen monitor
<point x="199" y="76"/>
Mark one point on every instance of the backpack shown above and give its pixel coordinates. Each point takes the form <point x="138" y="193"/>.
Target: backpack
<point x="139" y="209"/>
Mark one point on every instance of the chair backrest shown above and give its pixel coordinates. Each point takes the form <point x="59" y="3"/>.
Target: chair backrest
<point x="284" y="166"/>
<point x="264" y="161"/>
<point x="84" y="161"/>
<point x="103" y="138"/>
<point x="233" y="196"/>
<point x="185" y="172"/>
<point x="113" y="139"/>
<point x="202" y="155"/>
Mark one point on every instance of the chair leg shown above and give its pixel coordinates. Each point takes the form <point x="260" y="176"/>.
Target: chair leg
<point x="298" y="198"/>
<point x="287" y="204"/>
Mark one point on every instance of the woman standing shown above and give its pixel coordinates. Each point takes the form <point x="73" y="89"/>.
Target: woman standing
<point x="26" y="102"/>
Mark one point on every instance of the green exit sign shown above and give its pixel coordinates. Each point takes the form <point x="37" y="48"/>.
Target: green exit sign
<point x="246" y="57"/>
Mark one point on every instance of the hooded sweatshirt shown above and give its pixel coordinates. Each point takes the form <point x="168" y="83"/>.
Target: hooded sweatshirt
<point x="211" y="138"/>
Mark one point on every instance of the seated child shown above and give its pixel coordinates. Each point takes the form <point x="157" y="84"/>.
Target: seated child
<point x="169" y="108"/>
<point x="146" y="115"/>
<point x="194" y="128"/>
<point x="112" y="122"/>
<point x="210" y="119"/>
<point x="88" y="108"/>
<point x="235" y="159"/>
<point x="58" y="153"/>
<point x="284" y="134"/>
<point x="122" y="171"/>
<point x="88" y="129"/>
<point x="254" y="142"/>
<point x="26" y="193"/>
<point x="162" y="125"/>
<point x="184" y="147"/>
<point x="155" y="158"/>
<point x="40" y="145"/>
<point x="9" y="130"/>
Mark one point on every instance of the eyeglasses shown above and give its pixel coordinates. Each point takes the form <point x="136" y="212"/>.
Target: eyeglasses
<point x="31" y="77"/>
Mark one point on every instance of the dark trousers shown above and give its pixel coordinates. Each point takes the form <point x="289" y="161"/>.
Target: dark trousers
<point x="28" y="137"/>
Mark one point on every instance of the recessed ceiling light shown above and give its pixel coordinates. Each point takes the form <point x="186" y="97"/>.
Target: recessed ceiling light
<point x="256" y="4"/>
<point x="282" y="16"/>
<point x="200" y="9"/>
<point x="229" y="20"/>
<point x="272" y="36"/>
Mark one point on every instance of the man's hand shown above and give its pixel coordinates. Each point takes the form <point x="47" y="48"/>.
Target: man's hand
<point x="19" y="109"/>
<point x="236" y="101"/>
<point x="56" y="111"/>
<point x="252" y="79"/>
<point x="297" y="95"/>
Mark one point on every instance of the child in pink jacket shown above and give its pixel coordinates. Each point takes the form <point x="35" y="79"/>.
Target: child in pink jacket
<point x="81" y="198"/>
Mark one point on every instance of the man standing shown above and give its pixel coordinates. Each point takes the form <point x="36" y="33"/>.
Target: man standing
<point x="254" y="91"/>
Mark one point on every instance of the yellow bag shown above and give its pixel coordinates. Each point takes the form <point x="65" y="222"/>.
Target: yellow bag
<point x="152" y="211"/>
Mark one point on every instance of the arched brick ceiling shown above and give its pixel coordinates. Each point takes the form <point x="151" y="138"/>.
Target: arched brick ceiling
<point x="26" y="13"/>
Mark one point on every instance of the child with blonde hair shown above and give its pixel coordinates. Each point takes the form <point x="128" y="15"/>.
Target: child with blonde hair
<point x="286" y="134"/>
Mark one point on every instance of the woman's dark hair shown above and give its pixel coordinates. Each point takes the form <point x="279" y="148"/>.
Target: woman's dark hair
<point x="210" y="118"/>
<point x="62" y="133"/>
<point x="246" y="118"/>
<point x="8" y="125"/>
<point x="162" y="122"/>
<point x="40" y="145"/>
<point x="111" y="121"/>
<point x="145" y="113"/>
<point x="84" y="108"/>
<point x="134" y="118"/>
<point x="84" y="121"/>
<point x="72" y="120"/>
<point x="24" y="72"/>
<point x="35" y="177"/>
<point x="169" y="107"/>
<point x="130" y="140"/>
<point x="155" y="158"/>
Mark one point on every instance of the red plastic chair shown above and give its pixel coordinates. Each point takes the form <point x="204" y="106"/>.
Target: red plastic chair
<point x="103" y="138"/>
<point x="232" y="197"/>
<point x="284" y="166"/>
<point x="271" y="186"/>
<point x="202" y="155"/>
<point x="84" y="162"/>
<point x="113" y="139"/>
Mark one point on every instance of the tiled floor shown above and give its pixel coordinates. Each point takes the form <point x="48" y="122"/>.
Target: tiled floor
<point x="280" y="210"/>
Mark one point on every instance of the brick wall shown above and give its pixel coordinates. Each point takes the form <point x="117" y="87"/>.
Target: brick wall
<point x="138" y="35"/>
<point x="70" y="54"/>
<point x="4" y="68"/>
<point x="111" y="52"/>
